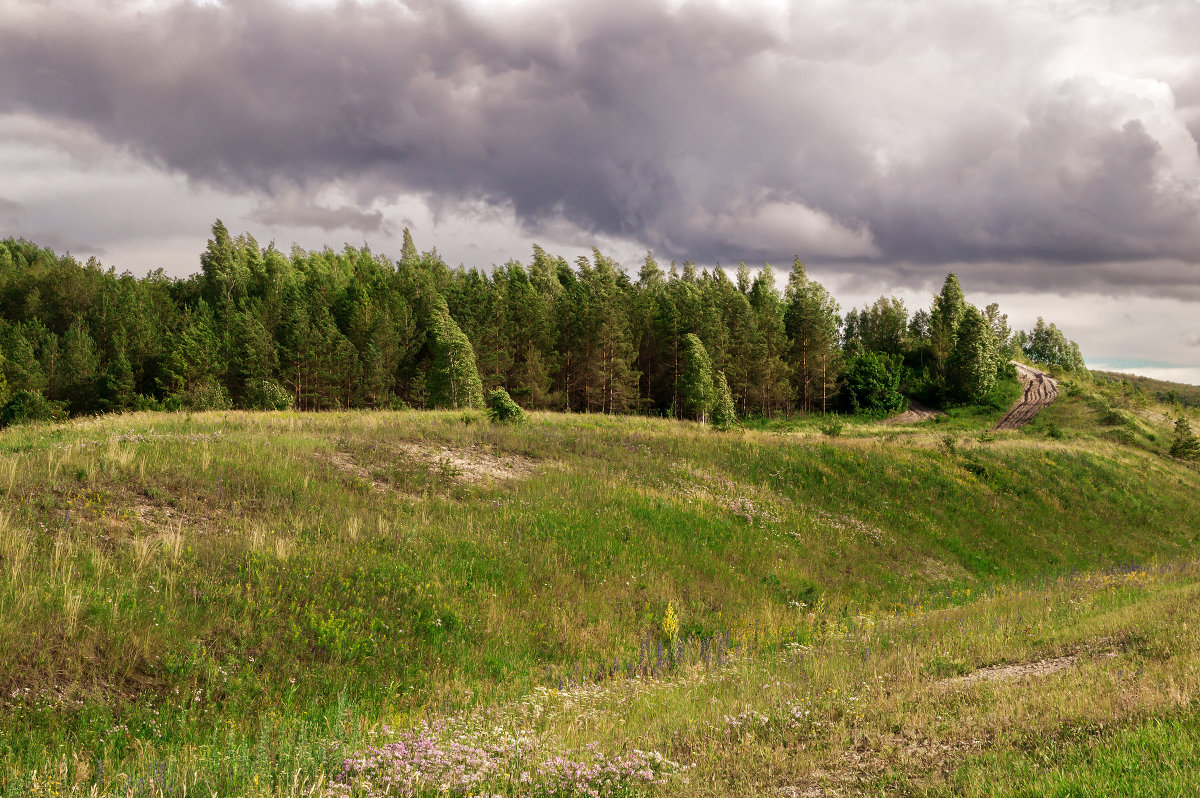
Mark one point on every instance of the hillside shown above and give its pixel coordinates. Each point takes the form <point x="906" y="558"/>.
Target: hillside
<point x="237" y="602"/>
<point x="1160" y="390"/>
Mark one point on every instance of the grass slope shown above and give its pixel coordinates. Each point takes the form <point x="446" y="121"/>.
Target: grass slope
<point x="237" y="602"/>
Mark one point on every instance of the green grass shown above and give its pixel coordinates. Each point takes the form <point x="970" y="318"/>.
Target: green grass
<point x="236" y="602"/>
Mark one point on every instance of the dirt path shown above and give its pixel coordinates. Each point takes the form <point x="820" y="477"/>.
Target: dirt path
<point x="1040" y="390"/>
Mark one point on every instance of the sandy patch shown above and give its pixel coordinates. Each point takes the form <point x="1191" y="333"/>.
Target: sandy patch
<point x="998" y="673"/>
<point x="915" y="414"/>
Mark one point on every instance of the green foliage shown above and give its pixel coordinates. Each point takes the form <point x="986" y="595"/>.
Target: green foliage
<point x="453" y="377"/>
<point x="881" y="327"/>
<point x="205" y="396"/>
<point x="873" y="383"/>
<point x="501" y="408"/>
<point x="949" y="305"/>
<point x="25" y="407"/>
<point x="266" y="394"/>
<point x="811" y="323"/>
<point x="353" y="329"/>
<point x="696" y="379"/>
<point x="117" y="385"/>
<point x="833" y="426"/>
<point x="973" y="364"/>
<point x="1046" y="344"/>
<point x="1185" y="445"/>
<point x="724" y="414"/>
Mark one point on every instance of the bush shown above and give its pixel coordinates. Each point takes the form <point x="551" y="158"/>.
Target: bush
<point x="267" y="395"/>
<point x="833" y="427"/>
<point x="30" y="407"/>
<point x="873" y="383"/>
<point x="142" y="402"/>
<point x="502" y="409"/>
<point x="206" y="396"/>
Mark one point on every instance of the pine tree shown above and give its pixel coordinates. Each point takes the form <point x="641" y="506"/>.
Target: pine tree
<point x="948" y="308"/>
<point x="80" y="367"/>
<point x="117" y="386"/>
<point x="453" y="376"/>
<point x="771" y="344"/>
<point x="21" y="365"/>
<point x="696" y="379"/>
<point x="811" y="324"/>
<point x="724" y="415"/>
<point x="1185" y="445"/>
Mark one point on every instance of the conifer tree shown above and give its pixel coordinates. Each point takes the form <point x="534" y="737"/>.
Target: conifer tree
<point x="948" y="308"/>
<point x="21" y="365"/>
<point x="771" y="344"/>
<point x="1185" y="445"/>
<point x="811" y="324"/>
<point x="724" y="415"/>
<point x="80" y="367"/>
<point x="453" y="377"/>
<point x="117" y="386"/>
<point x="696" y="379"/>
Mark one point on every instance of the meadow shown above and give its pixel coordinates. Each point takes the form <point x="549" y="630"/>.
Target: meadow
<point x="348" y="603"/>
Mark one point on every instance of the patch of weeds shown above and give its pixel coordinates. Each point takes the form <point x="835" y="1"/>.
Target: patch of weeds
<point x="1121" y="435"/>
<point x="943" y="667"/>
<point x="833" y="427"/>
<point x="950" y="444"/>
<point x="981" y="470"/>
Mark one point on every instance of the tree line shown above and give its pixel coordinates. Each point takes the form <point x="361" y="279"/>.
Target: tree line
<point x="259" y="328"/>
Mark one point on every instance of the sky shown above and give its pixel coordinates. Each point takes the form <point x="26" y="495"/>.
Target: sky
<point x="1046" y="152"/>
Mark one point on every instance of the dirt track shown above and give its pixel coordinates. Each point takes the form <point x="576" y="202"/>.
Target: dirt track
<point x="1040" y="390"/>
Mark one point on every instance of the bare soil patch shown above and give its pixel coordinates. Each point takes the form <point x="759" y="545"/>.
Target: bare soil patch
<point x="472" y="464"/>
<point x="915" y="414"/>
<point x="463" y="464"/>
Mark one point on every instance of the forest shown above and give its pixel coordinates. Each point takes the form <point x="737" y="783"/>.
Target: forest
<point x="258" y="328"/>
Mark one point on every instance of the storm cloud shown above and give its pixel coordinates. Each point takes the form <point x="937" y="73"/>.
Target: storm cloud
<point x="1053" y="143"/>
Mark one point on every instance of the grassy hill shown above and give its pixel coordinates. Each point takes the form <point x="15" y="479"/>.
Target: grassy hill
<point x="239" y="603"/>
<point x="1160" y="390"/>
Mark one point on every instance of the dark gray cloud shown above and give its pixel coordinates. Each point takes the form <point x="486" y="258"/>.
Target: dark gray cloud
<point x="292" y="209"/>
<point x="1057" y="139"/>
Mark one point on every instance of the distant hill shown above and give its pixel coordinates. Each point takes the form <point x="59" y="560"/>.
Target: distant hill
<point x="1162" y="390"/>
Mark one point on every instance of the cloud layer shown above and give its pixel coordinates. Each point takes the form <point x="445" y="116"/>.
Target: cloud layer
<point x="1055" y="142"/>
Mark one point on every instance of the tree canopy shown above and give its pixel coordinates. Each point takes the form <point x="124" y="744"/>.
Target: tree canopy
<point x="259" y="328"/>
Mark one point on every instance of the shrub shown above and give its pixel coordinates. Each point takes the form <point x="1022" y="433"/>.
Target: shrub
<point x="142" y="402"/>
<point x="267" y="395"/>
<point x="873" y="383"/>
<point x="833" y="426"/>
<point x="206" y="396"/>
<point x="30" y="407"/>
<point x="502" y="409"/>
